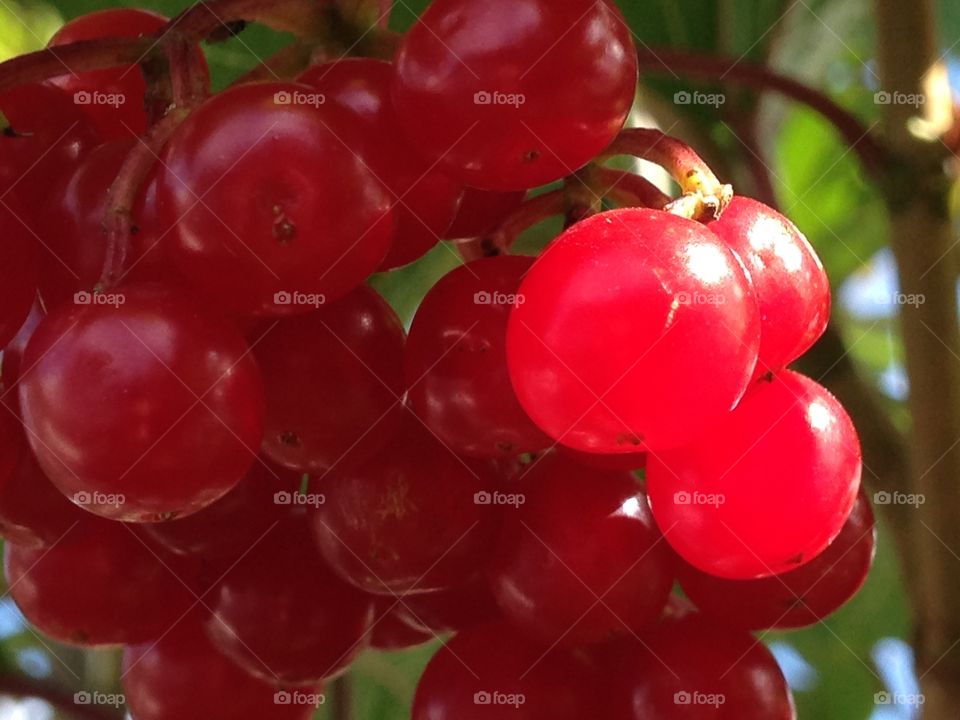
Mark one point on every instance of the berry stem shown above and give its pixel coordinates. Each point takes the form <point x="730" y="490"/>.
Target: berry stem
<point x="303" y="18"/>
<point x="531" y="212"/>
<point x="118" y="220"/>
<point x="704" y="196"/>
<point x="76" y="57"/>
<point x="629" y="189"/>
<point x="661" y="60"/>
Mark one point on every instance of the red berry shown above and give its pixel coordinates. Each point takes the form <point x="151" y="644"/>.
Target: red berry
<point x="458" y="608"/>
<point x="331" y="378"/>
<point x="638" y="330"/>
<point x="791" y="285"/>
<point x="147" y="403"/>
<point x="423" y="199"/>
<point x="768" y="489"/>
<point x="408" y="519"/>
<point x="112" y="98"/>
<point x="797" y="598"/>
<point x="580" y="558"/>
<point x="489" y="673"/>
<point x="456" y="362"/>
<point x="19" y="267"/>
<point x="33" y="513"/>
<point x="265" y="222"/>
<point x="695" y="669"/>
<point x="11" y="360"/>
<point x="513" y="109"/>
<point x="100" y="584"/>
<point x="283" y="616"/>
<point x="481" y="211"/>
<point x="228" y="528"/>
<point x="46" y="134"/>
<point x="391" y="631"/>
<point x="182" y="676"/>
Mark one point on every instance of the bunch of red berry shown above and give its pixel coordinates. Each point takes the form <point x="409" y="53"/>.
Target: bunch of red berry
<point x="221" y="449"/>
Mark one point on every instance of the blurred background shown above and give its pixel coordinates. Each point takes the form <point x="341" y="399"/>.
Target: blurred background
<point x="836" y="668"/>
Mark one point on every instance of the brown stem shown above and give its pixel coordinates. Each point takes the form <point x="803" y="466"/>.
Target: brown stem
<point x="342" y="692"/>
<point x="923" y="242"/>
<point x="303" y="18"/>
<point x="711" y="67"/>
<point x="124" y="190"/>
<point x="286" y="64"/>
<point x="629" y="189"/>
<point x="76" y="57"/>
<point x="704" y="196"/>
<point x="531" y="212"/>
<point x="62" y="700"/>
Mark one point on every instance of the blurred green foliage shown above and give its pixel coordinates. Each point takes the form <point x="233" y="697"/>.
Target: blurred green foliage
<point x="818" y="182"/>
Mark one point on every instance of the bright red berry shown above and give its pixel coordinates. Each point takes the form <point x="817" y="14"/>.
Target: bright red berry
<point x="767" y="489"/>
<point x="791" y="285"/>
<point x="638" y="330"/>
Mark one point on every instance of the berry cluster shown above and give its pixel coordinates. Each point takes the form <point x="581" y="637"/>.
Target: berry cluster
<point x="222" y="449"/>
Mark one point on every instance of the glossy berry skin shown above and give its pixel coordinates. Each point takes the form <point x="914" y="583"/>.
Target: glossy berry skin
<point x="406" y="520"/>
<point x="792" y="289"/>
<point x="279" y="217"/>
<point x="98" y="585"/>
<point x="112" y="98"/>
<point x="638" y="330"/>
<point x="798" y="598"/>
<point x="226" y="529"/>
<point x="581" y="558"/>
<point x="331" y="378"/>
<point x="390" y="629"/>
<point x="33" y="513"/>
<point x="768" y="489"/>
<point x="47" y="134"/>
<point x="150" y="399"/>
<point x="696" y="669"/>
<point x="456" y="361"/>
<point x="182" y="676"/>
<point x="486" y="103"/>
<point x="489" y="673"/>
<point x="423" y="199"/>
<point x="12" y="359"/>
<point x="19" y="269"/>
<point x="482" y="211"/>
<point x="283" y="616"/>
<point x="461" y="607"/>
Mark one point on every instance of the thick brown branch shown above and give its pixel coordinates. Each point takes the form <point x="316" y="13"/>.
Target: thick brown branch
<point x="710" y="67"/>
